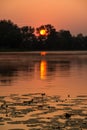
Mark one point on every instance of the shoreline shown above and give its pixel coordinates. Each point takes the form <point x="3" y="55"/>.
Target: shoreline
<point x="78" y="52"/>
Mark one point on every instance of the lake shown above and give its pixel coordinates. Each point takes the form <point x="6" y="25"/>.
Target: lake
<point x="43" y="91"/>
<point x="55" y="73"/>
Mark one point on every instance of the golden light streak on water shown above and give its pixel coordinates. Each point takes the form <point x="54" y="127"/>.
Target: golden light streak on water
<point x="43" y="69"/>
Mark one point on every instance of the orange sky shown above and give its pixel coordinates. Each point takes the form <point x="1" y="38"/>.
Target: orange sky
<point x="62" y="14"/>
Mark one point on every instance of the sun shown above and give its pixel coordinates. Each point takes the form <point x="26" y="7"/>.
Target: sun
<point x="43" y="32"/>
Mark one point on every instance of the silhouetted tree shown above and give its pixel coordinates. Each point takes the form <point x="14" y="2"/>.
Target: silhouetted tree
<point x="13" y="38"/>
<point x="65" y="40"/>
<point x="46" y="42"/>
<point x="10" y="37"/>
<point x="28" y="37"/>
<point x="52" y="39"/>
<point x="79" y="42"/>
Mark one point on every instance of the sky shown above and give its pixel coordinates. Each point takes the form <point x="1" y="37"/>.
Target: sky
<point x="62" y="14"/>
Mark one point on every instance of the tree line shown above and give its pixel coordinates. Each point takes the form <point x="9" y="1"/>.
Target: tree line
<point x="27" y="38"/>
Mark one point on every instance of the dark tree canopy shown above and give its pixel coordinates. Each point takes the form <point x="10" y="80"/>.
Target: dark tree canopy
<point x="10" y="36"/>
<point x="14" y="38"/>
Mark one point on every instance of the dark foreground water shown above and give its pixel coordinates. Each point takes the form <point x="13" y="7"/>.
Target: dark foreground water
<point x="43" y="91"/>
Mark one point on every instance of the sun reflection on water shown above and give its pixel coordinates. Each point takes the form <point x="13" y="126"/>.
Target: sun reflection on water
<point x="43" y="69"/>
<point x="43" y="53"/>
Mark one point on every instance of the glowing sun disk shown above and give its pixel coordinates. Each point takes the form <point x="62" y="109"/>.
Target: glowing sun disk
<point x="43" y="32"/>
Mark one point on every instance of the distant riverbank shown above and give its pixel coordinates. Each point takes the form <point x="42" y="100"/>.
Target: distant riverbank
<point x="27" y="38"/>
<point x="46" y="52"/>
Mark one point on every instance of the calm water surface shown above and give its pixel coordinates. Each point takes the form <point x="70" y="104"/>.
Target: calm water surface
<point x="53" y="73"/>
